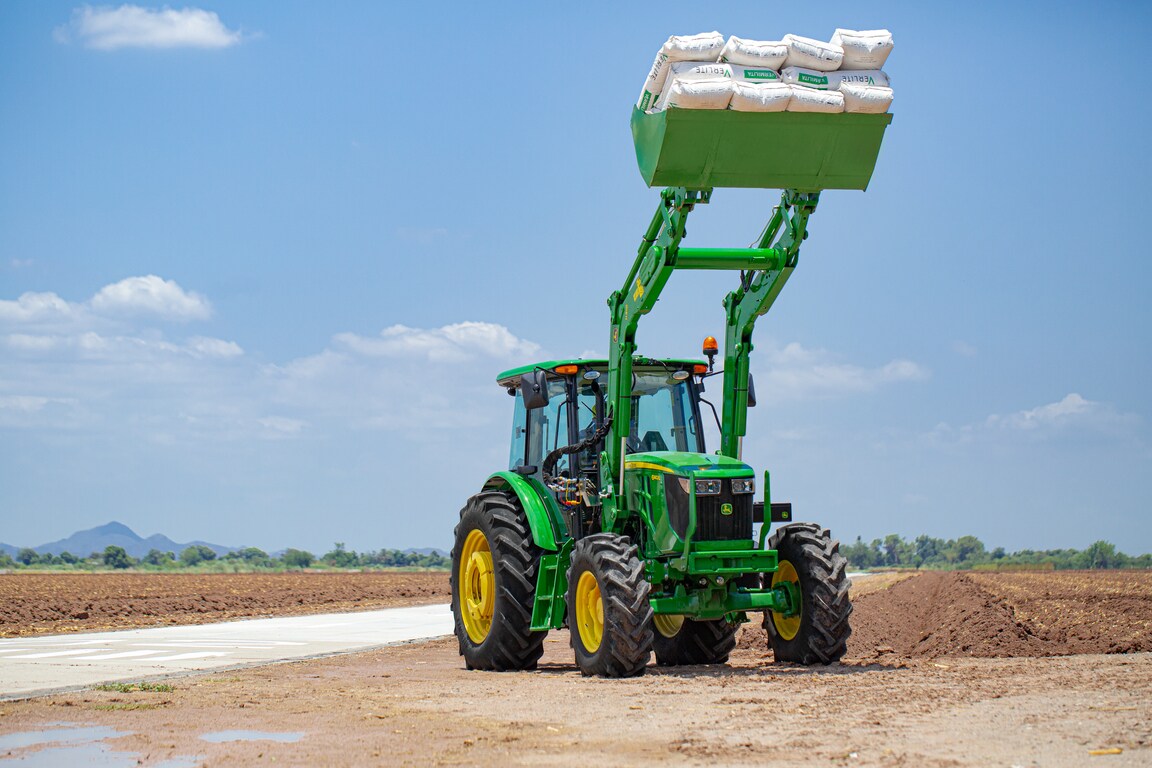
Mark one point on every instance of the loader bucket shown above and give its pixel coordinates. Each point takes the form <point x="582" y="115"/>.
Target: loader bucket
<point x="702" y="148"/>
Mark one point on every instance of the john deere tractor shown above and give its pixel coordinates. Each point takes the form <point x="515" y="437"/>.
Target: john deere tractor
<point x="612" y="518"/>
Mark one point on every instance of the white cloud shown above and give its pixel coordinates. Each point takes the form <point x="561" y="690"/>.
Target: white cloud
<point x="796" y="373"/>
<point x="36" y="308"/>
<point x="206" y="347"/>
<point x="131" y="26"/>
<point x="450" y="343"/>
<point x="106" y="360"/>
<point x="1071" y="409"/>
<point x="151" y="294"/>
<point x="280" y="427"/>
<point x="25" y="403"/>
<point x="1073" y="414"/>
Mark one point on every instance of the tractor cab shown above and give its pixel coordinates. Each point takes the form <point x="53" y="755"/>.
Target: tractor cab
<point x="673" y="490"/>
<point x="564" y="403"/>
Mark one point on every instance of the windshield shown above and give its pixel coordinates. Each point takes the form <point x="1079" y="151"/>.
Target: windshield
<point x="663" y="418"/>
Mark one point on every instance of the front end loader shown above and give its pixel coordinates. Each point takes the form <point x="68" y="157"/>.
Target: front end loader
<point x="613" y="519"/>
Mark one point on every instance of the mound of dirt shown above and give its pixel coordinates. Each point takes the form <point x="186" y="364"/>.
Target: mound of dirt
<point x="992" y="615"/>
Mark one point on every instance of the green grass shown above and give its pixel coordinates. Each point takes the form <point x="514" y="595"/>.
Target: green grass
<point x="132" y="687"/>
<point x="127" y="706"/>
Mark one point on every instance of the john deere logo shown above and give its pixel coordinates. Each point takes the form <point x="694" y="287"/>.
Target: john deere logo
<point x="726" y="509"/>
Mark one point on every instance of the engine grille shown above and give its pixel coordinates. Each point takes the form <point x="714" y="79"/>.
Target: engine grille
<point x="711" y="524"/>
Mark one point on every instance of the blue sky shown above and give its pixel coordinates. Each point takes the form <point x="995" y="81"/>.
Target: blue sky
<point x="260" y="263"/>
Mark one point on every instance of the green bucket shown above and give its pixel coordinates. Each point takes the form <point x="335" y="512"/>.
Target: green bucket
<point x="805" y="151"/>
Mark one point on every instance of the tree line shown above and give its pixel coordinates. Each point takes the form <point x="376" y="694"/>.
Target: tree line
<point x="204" y="558"/>
<point x="894" y="551"/>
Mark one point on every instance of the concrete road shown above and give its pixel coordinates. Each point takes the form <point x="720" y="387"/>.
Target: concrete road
<point x="42" y="665"/>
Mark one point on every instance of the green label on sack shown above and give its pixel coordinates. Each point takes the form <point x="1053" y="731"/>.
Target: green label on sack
<point x="813" y="79"/>
<point x="760" y="74"/>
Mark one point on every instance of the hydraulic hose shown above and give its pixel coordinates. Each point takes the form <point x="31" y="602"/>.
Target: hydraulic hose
<point x="552" y="458"/>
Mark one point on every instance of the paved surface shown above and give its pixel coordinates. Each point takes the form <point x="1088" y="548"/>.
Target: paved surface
<point x="40" y="665"/>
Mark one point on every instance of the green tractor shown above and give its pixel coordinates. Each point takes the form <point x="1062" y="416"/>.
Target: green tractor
<point x="612" y="518"/>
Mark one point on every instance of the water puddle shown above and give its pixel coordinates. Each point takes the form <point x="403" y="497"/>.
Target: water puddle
<point x="219" y="737"/>
<point x="59" y="733"/>
<point x="64" y="744"/>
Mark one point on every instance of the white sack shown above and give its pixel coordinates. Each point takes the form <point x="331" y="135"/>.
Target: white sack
<point x="831" y="81"/>
<point x="812" y="100"/>
<point x="703" y="47"/>
<point x="869" y="99"/>
<point x="700" y="94"/>
<point x="743" y="74"/>
<point x="760" y="97"/>
<point x="689" y="71"/>
<point x="867" y="49"/>
<point x="754" y="53"/>
<point x="813" y="54"/>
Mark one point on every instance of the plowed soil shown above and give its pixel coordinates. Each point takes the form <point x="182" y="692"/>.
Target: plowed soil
<point x="50" y="603"/>
<point x="943" y="670"/>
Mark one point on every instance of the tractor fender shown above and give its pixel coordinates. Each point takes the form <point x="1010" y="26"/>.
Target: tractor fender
<point x="541" y="510"/>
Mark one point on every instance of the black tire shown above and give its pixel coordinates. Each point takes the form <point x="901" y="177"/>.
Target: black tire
<point x="822" y="634"/>
<point x="696" y="642"/>
<point x="509" y="643"/>
<point x="625" y="636"/>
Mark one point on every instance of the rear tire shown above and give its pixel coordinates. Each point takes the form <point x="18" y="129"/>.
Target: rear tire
<point x="811" y="558"/>
<point x="608" y="611"/>
<point x="692" y="642"/>
<point x="494" y="566"/>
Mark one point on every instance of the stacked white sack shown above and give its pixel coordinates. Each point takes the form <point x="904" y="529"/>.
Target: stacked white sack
<point x="868" y="99"/>
<point x="831" y="81"/>
<point x="754" y="53"/>
<point x="699" y="94"/>
<point x="812" y="100"/>
<point x="863" y="49"/>
<point x="705" y="72"/>
<point x="702" y="47"/>
<point x="812" y="54"/>
<point x="760" y="97"/>
<point x="743" y="74"/>
<point x="715" y="72"/>
<point x="692" y="71"/>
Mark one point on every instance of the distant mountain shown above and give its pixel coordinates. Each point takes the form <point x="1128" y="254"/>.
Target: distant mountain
<point x="427" y="551"/>
<point x="8" y="549"/>
<point x="84" y="543"/>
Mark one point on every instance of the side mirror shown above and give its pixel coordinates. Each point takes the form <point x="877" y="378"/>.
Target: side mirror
<point x="751" y="391"/>
<point x="534" y="389"/>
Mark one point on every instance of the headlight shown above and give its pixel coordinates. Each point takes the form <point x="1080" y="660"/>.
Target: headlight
<point x="707" y="487"/>
<point x="743" y="485"/>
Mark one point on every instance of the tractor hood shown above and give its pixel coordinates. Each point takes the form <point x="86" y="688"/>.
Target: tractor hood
<point x="681" y="463"/>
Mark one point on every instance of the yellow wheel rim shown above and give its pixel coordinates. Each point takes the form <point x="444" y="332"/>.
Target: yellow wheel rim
<point x="668" y="624"/>
<point x="589" y="612"/>
<point x="477" y="582"/>
<point x="787" y="626"/>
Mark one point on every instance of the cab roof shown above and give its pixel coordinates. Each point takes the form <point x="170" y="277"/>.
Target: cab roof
<point x="601" y="365"/>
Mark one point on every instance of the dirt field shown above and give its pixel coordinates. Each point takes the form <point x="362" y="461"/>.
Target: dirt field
<point x="47" y="603"/>
<point x="1046" y="669"/>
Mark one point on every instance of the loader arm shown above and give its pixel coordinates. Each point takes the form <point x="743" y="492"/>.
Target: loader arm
<point x="763" y="269"/>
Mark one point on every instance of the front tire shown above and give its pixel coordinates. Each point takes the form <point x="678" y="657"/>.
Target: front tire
<point x="494" y="566"/>
<point x="608" y="611"/>
<point x="810" y="559"/>
<point x="679" y="640"/>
